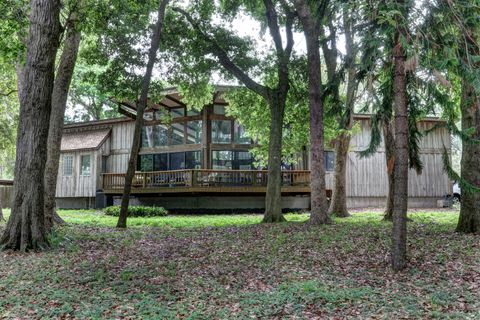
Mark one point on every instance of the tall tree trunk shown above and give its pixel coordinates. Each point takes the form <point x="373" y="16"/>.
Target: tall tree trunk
<point x="318" y="195"/>
<point x="59" y="103"/>
<point x="469" y="220"/>
<point x="26" y="227"/>
<point x="338" y="203"/>
<point x="132" y="162"/>
<point x="273" y="198"/>
<point x="389" y="140"/>
<point x="400" y="193"/>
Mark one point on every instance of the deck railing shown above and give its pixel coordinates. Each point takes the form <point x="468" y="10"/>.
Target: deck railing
<point x="204" y="179"/>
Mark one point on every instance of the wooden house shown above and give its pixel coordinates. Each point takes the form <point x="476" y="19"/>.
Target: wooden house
<point x="201" y="160"/>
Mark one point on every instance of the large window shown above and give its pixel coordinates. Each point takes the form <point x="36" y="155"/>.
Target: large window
<point x="177" y="160"/>
<point x="221" y="131"/>
<point x="177" y="112"/>
<point x="193" y="160"/>
<point x="240" y="134"/>
<point x="154" y="136"/>
<point x="85" y="168"/>
<point x="177" y="133"/>
<point x="67" y="161"/>
<point x="194" y="131"/>
<point x="228" y="160"/>
<point x="243" y="160"/>
<point x="219" y="109"/>
<point x="222" y="160"/>
<point x="329" y="160"/>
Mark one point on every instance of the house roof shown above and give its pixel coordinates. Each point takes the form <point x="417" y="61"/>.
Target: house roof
<point x="84" y="140"/>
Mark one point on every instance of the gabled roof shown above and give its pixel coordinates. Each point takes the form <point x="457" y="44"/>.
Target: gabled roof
<point x="84" y="140"/>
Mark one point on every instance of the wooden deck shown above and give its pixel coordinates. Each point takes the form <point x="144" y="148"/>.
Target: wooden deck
<point x="206" y="181"/>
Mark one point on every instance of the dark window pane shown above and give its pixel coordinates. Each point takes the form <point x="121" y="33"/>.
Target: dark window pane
<point x="161" y="136"/>
<point x="147" y="137"/>
<point x="329" y="160"/>
<point x="193" y="112"/>
<point x="222" y="160"/>
<point x="219" y="109"/>
<point x="194" y="131"/>
<point x="177" y="112"/>
<point x="177" y="161"/>
<point x="240" y="135"/>
<point x="146" y="162"/>
<point x="160" y="162"/>
<point x="85" y="165"/>
<point x="177" y="133"/>
<point x="193" y="160"/>
<point x="221" y="131"/>
<point x="243" y="160"/>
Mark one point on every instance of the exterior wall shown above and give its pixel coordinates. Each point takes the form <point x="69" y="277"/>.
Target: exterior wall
<point x="121" y="140"/>
<point x="76" y="203"/>
<point x="366" y="177"/>
<point x="6" y="196"/>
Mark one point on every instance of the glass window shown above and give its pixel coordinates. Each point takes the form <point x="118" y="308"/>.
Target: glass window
<point x="221" y="131"/>
<point x="161" y="136"/>
<point x="146" y="162"/>
<point x="147" y="137"/>
<point x="222" y="160"/>
<point x="177" y="160"/>
<point x="67" y="164"/>
<point x="241" y="135"/>
<point x="219" y="109"/>
<point x="329" y="160"/>
<point x="192" y="112"/>
<point x="177" y="112"/>
<point x="177" y="133"/>
<point x="193" y="160"/>
<point x="160" y="162"/>
<point x="85" y="165"/>
<point x="148" y="116"/>
<point x="243" y="160"/>
<point x="194" y="131"/>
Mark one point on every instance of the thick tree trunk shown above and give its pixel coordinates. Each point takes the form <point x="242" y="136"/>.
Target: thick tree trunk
<point x="273" y="198"/>
<point x="469" y="220"/>
<point x="389" y="140"/>
<point x="26" y="227"/>
<point x="59" y="103"/>
<point x="400" y="193"/>
<point x="132" y="163"/>
<point x="318" y="195"/>
<point x="338" y="203"/>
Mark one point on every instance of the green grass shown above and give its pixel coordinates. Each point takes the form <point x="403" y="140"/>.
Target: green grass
<point x="231" y="267"/>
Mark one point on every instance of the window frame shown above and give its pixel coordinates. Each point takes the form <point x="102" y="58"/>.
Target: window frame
<point x="82" y="173"/>
<point x="64" y="156"/>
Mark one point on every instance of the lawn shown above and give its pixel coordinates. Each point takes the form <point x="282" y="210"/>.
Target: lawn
<point x="231" y="267"/>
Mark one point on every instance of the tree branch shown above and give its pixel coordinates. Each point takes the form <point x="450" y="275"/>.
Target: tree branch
<point x="6" y="94"/>
<point x="224" y="59"/>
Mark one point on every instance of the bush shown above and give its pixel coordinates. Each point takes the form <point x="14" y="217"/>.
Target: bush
<point x="137" y="211"/>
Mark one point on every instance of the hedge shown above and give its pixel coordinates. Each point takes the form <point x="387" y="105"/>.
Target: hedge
<point x="137" y="211"/>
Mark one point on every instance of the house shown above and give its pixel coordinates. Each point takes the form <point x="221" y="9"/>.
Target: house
<point x="201" y="160"/>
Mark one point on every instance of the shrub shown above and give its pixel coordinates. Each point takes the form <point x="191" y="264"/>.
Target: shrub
<point x="137" y="211"/>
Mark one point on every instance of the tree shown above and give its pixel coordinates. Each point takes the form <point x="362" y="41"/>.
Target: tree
<point x="310" y="19"/>
<point x="219" y="43"/>
<point x="59" y="101"/>
<point x="142" y="103"/>
<point x="26" y="227"/>
<point x="400" y="195"/>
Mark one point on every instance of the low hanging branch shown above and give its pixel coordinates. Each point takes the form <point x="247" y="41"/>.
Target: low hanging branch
<point x="8" y="93"/>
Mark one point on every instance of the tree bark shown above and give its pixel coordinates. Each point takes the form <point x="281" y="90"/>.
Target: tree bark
<point x="132" y="162"/>
<point x="59" y="103"/>
<point x="273" y="203"/>
<point x="26" y="227"/>
<point x="469" y="220"/>
<point x="389" y="140"/>
<point x="400" y="193"/>
<point x="318" y="195"/>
